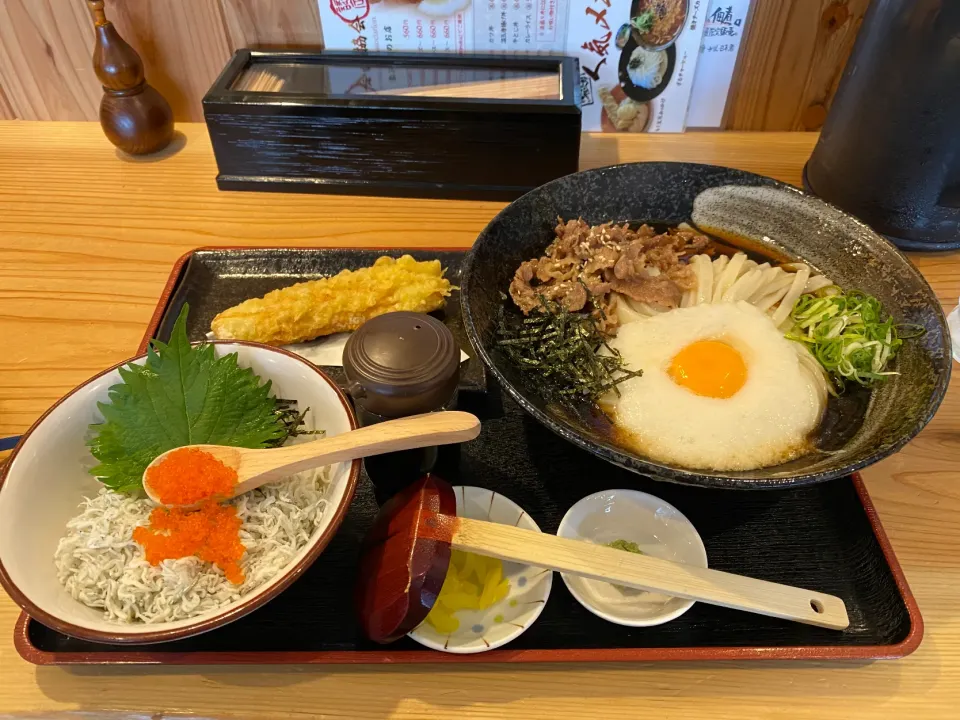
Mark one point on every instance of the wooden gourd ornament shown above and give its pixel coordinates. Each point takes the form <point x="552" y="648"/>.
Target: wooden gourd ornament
<point x="133" y="115"/>
<point x="405" y="557"/>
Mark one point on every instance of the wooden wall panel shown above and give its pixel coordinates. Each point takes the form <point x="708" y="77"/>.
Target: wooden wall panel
<point x="183" y="43"/>
<point x="791" y="62"/>
<point x="278" y="23"/>
<point x="46" y="48"/>
<point x="6" y="112"/>
<point x="45" y="66"/>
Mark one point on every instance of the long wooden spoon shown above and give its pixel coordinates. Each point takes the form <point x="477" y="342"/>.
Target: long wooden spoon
<point x="258" y="467"/>
<point x="407" y="552"/>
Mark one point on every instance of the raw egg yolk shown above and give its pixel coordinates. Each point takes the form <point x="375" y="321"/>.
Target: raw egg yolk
<point x="709" y="367"/>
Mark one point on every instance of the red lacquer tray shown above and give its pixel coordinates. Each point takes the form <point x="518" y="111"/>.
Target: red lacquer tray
<point x="826" y="537"/>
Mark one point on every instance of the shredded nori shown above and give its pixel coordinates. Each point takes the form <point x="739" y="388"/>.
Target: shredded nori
<point x="562" y="349"/>
<point x="292" y="420"/>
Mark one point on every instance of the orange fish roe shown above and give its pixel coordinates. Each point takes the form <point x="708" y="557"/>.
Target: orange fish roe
<point x="212" y="533"/>
<point x="188" y="475"/>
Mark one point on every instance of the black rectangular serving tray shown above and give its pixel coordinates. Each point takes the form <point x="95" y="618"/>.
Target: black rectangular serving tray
<point x="825" y="537"/>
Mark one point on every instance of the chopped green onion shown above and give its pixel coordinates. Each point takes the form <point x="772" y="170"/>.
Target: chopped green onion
<point x="848" y="335"/>
<point x="643" y="23"/>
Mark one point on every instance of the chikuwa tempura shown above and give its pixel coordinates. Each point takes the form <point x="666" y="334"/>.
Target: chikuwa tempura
<point x="341" y="303"/>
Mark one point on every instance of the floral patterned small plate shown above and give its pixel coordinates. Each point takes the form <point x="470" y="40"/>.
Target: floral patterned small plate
<point x="482" y="630"/>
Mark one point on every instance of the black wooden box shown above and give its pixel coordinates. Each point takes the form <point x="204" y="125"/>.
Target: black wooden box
<point x="444" y="126"/>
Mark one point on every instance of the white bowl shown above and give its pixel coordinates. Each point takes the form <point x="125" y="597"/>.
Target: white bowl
<point x="45" y="480"/>
<point x="658" y="528"/>
<point x="482" y="630"/>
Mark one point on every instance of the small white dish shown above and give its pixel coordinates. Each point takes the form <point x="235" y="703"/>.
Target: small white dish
<point x="482" y="630"/>
<point x="658" y="528"/>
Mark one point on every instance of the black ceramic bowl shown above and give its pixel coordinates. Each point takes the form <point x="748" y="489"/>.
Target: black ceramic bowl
<point x="764" y="215"/>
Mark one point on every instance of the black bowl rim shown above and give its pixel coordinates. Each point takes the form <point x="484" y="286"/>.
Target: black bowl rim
<point x="668" y="473"/>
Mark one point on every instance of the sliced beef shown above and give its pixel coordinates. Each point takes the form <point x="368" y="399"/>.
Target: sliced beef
<point x="521" y="290"/>
<point x="572" y="296"/>
<point x="585" y="267"/>
<point x="632" y="260"/>
<point x="658" y="290"/>
<point x="569" y="236"/>
<point x="688" y="242"/>
<point x="683" y="276"/>
<point x="563" y="269"/>
<point x="604" y="258"/>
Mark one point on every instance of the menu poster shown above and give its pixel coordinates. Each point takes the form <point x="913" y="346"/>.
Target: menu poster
<point x="637" y="61"/>
<point x="724" y="26"/>
<point x="637" y="58"/>
<point x="458" y="26"/>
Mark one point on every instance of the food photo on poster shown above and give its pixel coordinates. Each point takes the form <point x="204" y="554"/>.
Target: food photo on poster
<point x="459" y="26"/>
<point x="637" y="61"/>
<point x="723" y="31"/>
<point x="641" y="61"/>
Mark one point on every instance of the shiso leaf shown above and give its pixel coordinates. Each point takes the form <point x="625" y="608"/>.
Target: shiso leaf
<point x="181" y="395"/>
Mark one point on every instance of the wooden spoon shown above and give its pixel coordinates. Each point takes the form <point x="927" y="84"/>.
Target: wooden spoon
<point x="258" y="467"/>
<point x="407" y="552"/>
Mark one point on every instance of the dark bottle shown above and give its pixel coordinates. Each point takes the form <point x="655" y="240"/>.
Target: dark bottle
<point x="890" y="148"/>
<point x="402" y="364"/>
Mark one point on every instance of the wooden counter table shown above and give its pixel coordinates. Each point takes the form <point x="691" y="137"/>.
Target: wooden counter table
<point x="87" y="240"/>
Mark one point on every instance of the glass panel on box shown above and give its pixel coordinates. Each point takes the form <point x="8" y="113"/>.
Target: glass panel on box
<point x="398" y="80"/>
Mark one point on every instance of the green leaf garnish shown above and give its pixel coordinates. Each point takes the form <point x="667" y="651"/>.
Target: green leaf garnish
<point x="849" y="335"/>
<point x="183" y="395"/>
<point x="626" y="545"/>
<point x="643" y="23"/>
